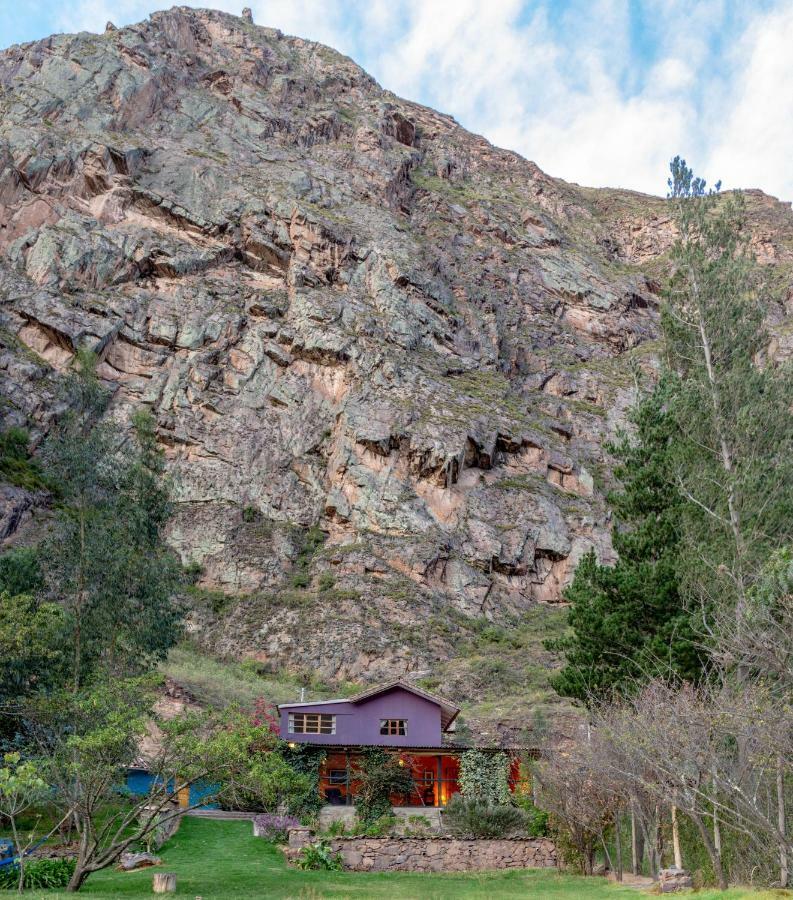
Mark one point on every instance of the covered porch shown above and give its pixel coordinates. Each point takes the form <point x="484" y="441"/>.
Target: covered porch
<point x="434" y="772"/>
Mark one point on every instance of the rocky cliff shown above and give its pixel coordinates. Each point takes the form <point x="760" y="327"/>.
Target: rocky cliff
<point x="383" y="355"/>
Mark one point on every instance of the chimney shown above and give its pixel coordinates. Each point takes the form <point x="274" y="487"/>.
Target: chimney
<point x="302" y="694"/>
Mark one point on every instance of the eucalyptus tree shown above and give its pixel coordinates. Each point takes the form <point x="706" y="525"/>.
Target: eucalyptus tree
<point x="105" y="560"/>
<point x="733" y="456"/>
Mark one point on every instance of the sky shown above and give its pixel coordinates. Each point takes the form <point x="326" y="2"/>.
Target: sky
<point x="600" y="92"/>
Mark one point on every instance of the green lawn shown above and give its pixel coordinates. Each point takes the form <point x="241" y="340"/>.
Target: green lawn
<point x="217" y="860"/>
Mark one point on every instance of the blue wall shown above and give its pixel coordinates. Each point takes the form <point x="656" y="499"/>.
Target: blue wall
<point x="139" y="783"/>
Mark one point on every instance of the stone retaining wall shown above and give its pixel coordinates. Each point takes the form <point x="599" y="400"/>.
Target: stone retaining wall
<point x="389" y="854"/>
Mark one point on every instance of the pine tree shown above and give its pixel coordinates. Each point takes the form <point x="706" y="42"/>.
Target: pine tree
<point x="628" y="621"/>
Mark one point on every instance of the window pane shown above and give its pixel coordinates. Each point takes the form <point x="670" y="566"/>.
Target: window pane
<point x="312" y="723"/>
<point x="393" y="726"/>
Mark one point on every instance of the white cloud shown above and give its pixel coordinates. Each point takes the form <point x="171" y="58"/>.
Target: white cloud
<point x="754" y="145"/>
<point x="602" y="92"/>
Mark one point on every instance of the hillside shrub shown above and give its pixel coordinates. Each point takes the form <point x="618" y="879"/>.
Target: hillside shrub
<point x="16" y="465"/>
<point x="473" y="818"/>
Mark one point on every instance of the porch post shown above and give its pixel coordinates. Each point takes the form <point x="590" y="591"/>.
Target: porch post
<point x="347" y="798"/>
<point x="438" y="781"/>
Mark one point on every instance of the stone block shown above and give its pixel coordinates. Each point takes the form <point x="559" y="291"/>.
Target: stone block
<point x="673" y="879"/>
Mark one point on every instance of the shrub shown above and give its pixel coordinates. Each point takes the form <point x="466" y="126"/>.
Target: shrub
<point x="16" y="466"/>
<point x="469" y="817"/>
<point x="40" y="874"/>
<point x="326" y="581"/>
<point x="337" y="828"/>
<point x="319" y="856"/>
<point x="378" y="828"/>
<point x="300" y="580"/>
<point x="249" y="514"/>
<point x="192" y="571"/>
<point x="273" y="827"/>
<point x="536" y="822"/>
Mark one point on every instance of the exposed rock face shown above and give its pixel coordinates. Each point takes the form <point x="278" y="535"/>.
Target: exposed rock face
<point x="344" y="311"/>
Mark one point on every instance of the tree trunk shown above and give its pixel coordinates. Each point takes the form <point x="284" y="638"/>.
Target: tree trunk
<point x="80" y="869"/>
<point x="726" y="454"/>
<point x="606" y="852"/>
<point x="781" y="823"/>
<point x="78" y="611"/>
<point x="634" y="841"/>
<point x="77" y="880"/>
<point x="618" y="845"/>
<point x="18" y="849"/>
<point x="164" y="883"/>
<point x="676" y="840"/>
<point x="713" y="853"/>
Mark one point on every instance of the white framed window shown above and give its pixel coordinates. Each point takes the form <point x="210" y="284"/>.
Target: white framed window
<point x="398" y="727"/>
<point x="312" y="723"/>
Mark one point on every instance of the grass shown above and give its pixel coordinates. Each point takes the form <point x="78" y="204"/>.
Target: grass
<point x="219" y="860"/>
<point x="220" y="683"/>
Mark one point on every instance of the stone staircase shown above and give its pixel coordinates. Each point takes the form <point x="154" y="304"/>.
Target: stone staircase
<point x="330" y="814"/>
<point x="431" y="813"/>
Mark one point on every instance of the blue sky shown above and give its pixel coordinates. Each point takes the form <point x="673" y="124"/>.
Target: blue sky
<point x="599" y="92"/>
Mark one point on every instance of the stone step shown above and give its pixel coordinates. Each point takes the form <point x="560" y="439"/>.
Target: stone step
<point x="347" y="814"/>
<point x="328" y="814"/>
<point x="431" y="813"/>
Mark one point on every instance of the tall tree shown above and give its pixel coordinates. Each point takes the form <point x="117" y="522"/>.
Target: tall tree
<point x="628" y="621"/>
<point x="733" y="459"/>
<point x="105" y="560"/>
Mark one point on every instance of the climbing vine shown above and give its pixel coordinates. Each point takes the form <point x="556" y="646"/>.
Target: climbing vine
<point x="485" y="776"/>
<point x="380" y="776"/>
<point x="306" y="760"/>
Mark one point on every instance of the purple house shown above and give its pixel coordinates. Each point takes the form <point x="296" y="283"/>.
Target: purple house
<point x="412" y="723"/>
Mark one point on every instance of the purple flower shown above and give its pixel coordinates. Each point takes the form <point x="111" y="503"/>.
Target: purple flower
<point x="274" y="827"/>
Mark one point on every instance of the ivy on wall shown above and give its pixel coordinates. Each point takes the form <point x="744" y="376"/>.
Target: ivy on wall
<point x="307" y="760"/>
<point x="485" y="776"/>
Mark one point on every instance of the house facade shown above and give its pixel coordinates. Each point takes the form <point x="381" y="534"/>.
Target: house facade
<point x="413" y="724"/>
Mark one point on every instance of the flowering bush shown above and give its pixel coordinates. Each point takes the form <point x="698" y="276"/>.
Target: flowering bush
<point x="274" y="827"/>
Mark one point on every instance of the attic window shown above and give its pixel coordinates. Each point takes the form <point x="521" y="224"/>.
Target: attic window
<point x="312" y="723"/>
<point x="394" y="727"/>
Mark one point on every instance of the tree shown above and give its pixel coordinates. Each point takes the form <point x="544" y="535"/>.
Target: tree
<point x="755" y="641"/>
<point x="29" y="653"/>
<point x="20" y="572"/>
<point x="581" y="801"/>
<point x="87" y="742"/>
<point x="733" y="457"/>
<point x="31" y="634"/>
<point x="106" y="561"/>
<point x="21" y="786"/>
<point x="629" y="620"/>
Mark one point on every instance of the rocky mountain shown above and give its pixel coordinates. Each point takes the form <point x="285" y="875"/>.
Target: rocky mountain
<point x="383" y="355"/>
